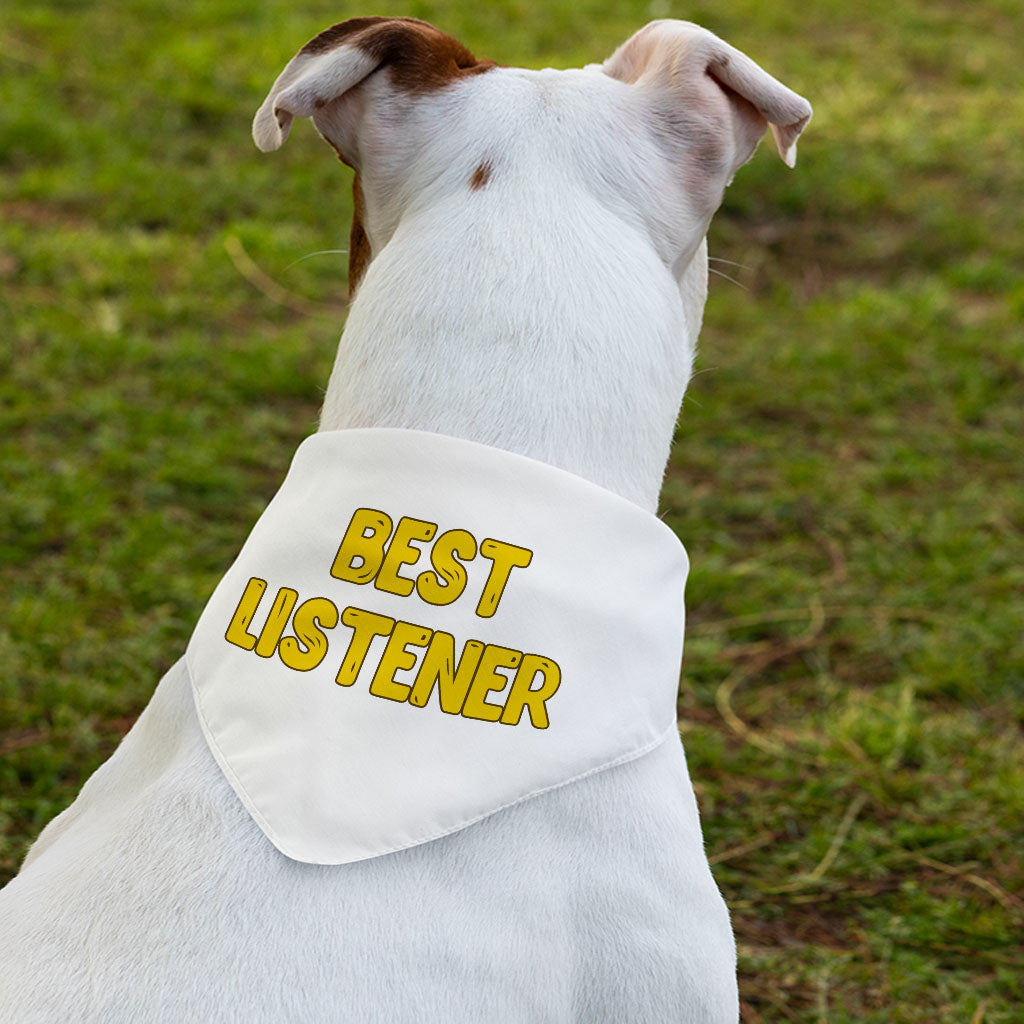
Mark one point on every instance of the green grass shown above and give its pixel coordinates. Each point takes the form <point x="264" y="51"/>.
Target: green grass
<point x="846" y="476"/>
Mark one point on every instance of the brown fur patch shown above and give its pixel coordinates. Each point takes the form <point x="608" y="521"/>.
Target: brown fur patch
<point x="358" y="243"/>
<point x="481" y="175"/>
<point x="421" y="58"/>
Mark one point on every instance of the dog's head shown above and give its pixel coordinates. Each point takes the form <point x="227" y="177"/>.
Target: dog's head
<point x="656" y="132"/>
<point x="530" y="244"/>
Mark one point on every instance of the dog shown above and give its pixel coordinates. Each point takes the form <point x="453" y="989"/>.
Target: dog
<point x="529" y="266"/>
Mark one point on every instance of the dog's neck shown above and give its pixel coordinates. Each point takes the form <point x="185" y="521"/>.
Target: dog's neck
<point x="537" y="273"/>
<point x="492" y="339"/>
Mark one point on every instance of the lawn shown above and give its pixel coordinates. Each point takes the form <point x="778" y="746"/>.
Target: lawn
<point x="848" y="473"/>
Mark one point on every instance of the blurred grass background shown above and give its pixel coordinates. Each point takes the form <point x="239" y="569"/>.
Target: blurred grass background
<point x="847" y="474"/>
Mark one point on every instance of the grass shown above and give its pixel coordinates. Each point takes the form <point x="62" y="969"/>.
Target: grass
<point x="846" y="475"/>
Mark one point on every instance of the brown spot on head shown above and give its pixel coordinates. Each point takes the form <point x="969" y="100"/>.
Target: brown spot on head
<point x="481" y="175"/>
<point x="421" y="57"/>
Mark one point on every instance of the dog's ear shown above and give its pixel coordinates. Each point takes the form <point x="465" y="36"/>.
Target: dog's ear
<point x="709" y="94"/>
<point x="320" y="80"/>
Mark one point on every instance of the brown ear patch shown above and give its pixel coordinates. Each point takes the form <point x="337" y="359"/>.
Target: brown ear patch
<point x="421" y="58"/>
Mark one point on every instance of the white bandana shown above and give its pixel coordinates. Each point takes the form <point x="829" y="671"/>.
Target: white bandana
<point x="421" y="631"/>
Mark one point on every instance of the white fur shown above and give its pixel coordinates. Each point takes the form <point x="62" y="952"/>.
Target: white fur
<point x="553" y="312"/>
<point x="492" y="333"/>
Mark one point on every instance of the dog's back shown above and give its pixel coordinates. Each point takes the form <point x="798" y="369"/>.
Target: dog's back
<point x="155" y="898"/>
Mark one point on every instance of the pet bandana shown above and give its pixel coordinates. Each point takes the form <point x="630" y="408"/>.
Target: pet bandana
<point x="420" y="631"/>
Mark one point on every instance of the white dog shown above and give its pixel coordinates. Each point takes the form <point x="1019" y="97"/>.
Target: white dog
<point x="530" y="253"/>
